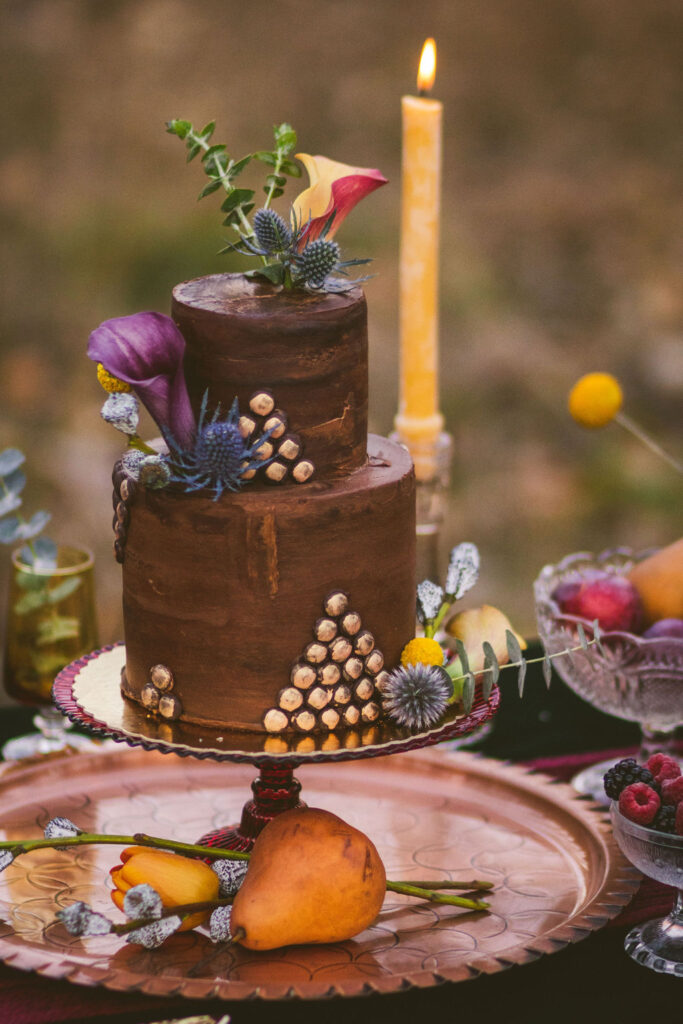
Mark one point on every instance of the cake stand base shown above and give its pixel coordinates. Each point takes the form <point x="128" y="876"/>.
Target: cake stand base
<point x="275" y="790"/>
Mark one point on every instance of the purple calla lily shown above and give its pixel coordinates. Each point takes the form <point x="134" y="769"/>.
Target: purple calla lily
<point x="146" y="350"/>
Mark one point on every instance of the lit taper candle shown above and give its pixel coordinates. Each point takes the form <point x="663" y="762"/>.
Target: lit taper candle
<point x="419" y="422"/>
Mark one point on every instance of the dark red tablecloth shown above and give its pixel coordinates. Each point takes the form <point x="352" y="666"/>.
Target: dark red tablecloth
<point x="32" y="999"/>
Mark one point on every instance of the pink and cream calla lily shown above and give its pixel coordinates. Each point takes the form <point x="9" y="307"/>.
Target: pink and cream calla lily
<point x="334" y="188"/>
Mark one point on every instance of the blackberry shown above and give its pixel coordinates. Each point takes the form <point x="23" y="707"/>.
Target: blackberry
<point x="624" y="774"/>
<point x="665" y="819"/>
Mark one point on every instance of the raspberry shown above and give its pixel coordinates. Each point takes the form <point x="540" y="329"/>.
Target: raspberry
<point x="672" y="790"/>
<point x="639" y="803"/>
<point x="663" y="767"/>
<point x="665" y="819"/>
<point x="624" y="774"/>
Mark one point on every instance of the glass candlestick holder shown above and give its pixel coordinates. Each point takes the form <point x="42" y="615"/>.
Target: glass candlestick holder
<point x="432" y="460"/>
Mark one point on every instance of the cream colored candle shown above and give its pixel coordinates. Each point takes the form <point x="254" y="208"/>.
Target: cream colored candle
<point x="419" y="421"/>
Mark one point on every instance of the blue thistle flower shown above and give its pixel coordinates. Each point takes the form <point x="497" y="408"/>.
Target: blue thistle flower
<point x="219" y="457"/>
<point x="318" y="259"/>
<point x="272" y="232"/>
<point x="416" y="696"/>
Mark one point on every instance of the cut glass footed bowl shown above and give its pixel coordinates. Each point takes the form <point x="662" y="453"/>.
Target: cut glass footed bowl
<point x="656" y="944"/>
<point x="632" y="678"/>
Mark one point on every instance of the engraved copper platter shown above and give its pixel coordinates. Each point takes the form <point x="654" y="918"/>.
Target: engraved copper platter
<point x="557" y="871"/>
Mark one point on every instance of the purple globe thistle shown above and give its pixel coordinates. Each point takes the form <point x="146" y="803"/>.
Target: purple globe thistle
<point x="416" y="696"/>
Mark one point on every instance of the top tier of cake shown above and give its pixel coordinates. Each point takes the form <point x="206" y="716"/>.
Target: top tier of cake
<point x="311" y="350"/>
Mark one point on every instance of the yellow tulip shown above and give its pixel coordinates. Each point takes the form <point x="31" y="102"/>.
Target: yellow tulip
<point x="334" y="188"/>
<point x="178" y="880"/>
<point x="476" y="625"/>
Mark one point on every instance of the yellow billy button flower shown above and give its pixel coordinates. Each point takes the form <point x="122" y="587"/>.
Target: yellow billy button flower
<point x="476" y="625"/>
<point x="422" y="651"/>
<point x="109" y="382"/>
<point x="595" y="400"/>
<point x="178" y="880"/>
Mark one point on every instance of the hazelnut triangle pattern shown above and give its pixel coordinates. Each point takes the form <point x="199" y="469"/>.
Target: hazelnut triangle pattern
<point x="337" y="681"/>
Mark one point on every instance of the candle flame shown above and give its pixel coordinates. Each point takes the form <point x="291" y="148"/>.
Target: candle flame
<point x="427" y="70"/>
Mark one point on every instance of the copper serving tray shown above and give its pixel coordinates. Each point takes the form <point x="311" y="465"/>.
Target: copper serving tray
<point x="557" y="871"/>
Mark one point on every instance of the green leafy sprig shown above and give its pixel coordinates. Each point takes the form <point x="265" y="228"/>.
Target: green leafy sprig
<point x="463" y="677"/>
<point x="222" y="170"/>
<point x="286" y="258"/>
<point x="39" y="552"/>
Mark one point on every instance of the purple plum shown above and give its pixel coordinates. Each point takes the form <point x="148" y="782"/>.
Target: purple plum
<point x="671" y="628"/>
<point x="610" y="599"/>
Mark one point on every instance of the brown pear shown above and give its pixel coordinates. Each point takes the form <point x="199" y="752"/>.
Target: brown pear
<point x="659" y="581"/>
<point x="311" y="878"/>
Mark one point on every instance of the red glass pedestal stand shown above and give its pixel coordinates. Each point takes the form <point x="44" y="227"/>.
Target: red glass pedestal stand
<point x="88" y="693"/>
<point x="275" y="790"/>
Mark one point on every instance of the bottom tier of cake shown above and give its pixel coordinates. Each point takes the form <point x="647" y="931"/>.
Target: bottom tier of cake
<point x="269" y="608"/>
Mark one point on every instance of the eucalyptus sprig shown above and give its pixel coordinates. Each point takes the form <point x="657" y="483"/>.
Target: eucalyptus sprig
<point x="463" y="678"/>
<point x="222" y="170"/>
<point x="278" y="159"/>
<point x="288" y="257"/>
<point x="39" y="552"/>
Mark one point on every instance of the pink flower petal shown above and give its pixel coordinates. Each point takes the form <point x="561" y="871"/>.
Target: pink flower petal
<point x="334" y="188"/>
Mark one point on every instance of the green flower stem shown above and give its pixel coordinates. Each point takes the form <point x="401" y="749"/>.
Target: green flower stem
<point x="408" y="889"/>
<point x="513" y="664"/>
<point x="134" y="441"/>
<point x="288" y="282"/>
<point x="433" y="625"/>
<point x="225" y="181"/>
<point x="473" y="886"/>
<point x="182" y="911"/>
<point x="276" y="170"/>
<point x="424" y="891"/>
<point x="628" y="424"/>
<point x="21" y="846"/>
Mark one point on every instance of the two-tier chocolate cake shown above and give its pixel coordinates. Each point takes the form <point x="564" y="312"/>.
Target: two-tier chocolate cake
<point x="277" y="606"/>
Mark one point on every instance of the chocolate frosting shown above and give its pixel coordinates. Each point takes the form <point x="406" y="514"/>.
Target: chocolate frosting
<point x="309" y="350"/>
<point x="226" y="593"/>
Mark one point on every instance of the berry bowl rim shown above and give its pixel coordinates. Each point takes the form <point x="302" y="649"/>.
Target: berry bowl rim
<point x="621" y="823"/>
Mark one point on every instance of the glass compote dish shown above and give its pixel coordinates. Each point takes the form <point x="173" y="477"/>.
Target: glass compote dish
<point x="656" y="944"/>
<point x="50" y="621"/>
<point x="630" y="677"/>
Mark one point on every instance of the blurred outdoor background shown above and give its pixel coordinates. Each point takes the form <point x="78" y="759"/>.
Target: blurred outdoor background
<point x="561" y="245"/>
